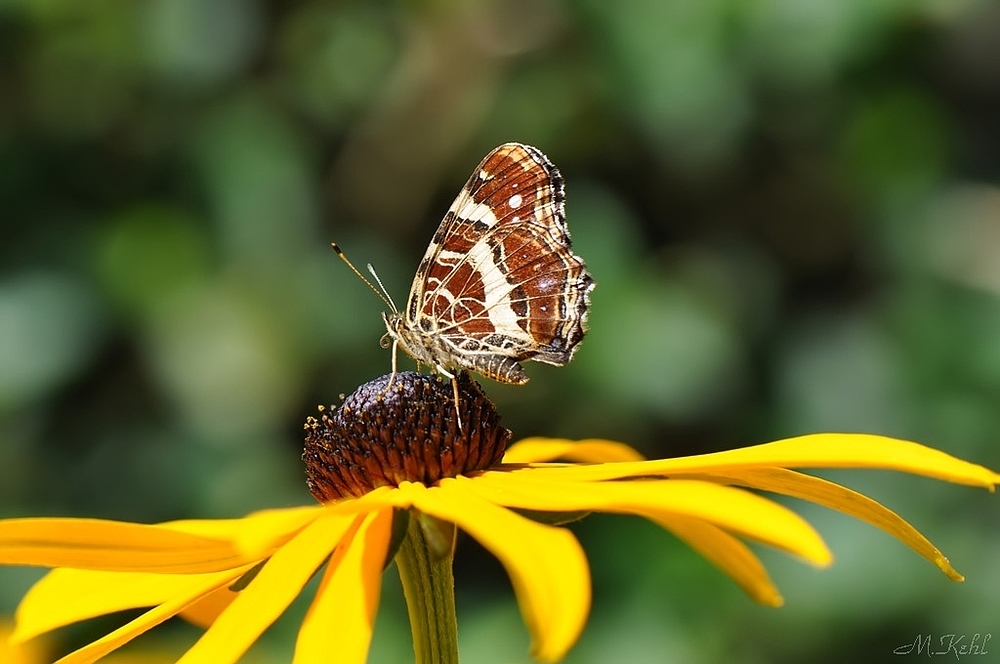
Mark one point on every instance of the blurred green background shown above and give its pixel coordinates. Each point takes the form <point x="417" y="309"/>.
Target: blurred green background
<point x="791" y="209"/>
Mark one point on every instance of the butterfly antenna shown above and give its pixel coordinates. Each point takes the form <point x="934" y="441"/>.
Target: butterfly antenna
<point x="384" y="291"/>
<point x="383" y="295"/>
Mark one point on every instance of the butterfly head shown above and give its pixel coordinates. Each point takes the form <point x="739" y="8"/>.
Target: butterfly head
<point x="419" y="345"/>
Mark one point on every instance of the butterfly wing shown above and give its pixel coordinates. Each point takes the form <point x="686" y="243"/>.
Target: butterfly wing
<point x="499" y="279"/>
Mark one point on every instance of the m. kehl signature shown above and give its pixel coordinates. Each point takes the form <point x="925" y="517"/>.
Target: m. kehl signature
<point x="959" y="645"/>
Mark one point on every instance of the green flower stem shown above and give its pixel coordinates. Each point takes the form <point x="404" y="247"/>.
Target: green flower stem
<point x="424" y="562"/>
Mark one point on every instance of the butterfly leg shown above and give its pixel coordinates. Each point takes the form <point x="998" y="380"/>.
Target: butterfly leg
<point x="395" y="364"/>
<point x="392" y="376"/>
<point x="454" y="387"/>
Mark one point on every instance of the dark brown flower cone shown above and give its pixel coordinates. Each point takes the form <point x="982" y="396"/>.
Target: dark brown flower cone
<point x="381" y="437"/>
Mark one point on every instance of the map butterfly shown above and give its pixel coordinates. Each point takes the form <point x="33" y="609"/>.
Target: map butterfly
<point x="499" y="283"/>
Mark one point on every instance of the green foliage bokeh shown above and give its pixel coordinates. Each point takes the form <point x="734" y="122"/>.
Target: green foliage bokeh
<point x="791" y="209"/>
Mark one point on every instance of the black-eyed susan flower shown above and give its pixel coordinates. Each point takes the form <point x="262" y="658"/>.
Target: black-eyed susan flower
<point x="388" y="452"/>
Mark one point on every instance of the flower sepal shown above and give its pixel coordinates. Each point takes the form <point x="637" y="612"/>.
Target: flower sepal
<point x="400" y="524"/>
<point x="440" y="535"/>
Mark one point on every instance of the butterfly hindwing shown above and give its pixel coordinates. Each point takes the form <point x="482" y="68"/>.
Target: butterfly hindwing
<point x="499" y="282"/>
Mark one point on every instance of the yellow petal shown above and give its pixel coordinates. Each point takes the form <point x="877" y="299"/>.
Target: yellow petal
<point x="822" y="450"/>
<point x="373" y="501"/>
<point x="97" y="649"/>
<point x="65" y="596"/>
<point x="20" y="653"/>
<point x="733" y="509"/>
<point x="111" y="545"/>
<point x="535" y="450"/>
<point x="257" y="535"/>
<point x="270" y="593"/>
<point x="842" y="499"/>
<point x="204" y="612"/>
<point x="727" y="553"/>
<point x="78" y="594"/>
<point x="547" y="566"/>
<point x="342" y="616"/>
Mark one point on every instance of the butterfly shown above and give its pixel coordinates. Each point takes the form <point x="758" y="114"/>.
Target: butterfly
<point x="499" y="283"/>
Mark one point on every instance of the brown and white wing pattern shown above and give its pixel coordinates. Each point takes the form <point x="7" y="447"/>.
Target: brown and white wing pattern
<point x="500" y="283"/>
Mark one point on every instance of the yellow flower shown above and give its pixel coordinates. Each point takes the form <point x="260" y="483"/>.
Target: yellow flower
<point x="386" y="450"/>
